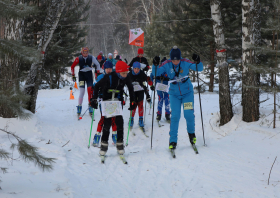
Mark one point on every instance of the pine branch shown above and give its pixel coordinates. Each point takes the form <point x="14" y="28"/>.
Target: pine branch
<point x="30" y="153"/>
<point x="4" y="154"/>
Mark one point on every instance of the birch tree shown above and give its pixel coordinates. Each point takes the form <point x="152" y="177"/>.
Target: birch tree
<point x="224" y="90"/>
<point x="250" y="82"/>
<point x="34" y="78"/>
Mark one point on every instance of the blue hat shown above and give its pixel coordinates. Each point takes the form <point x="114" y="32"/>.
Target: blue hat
<point x="108" y="64"/>
<point x="175" y="53"/>
<point x="136" y="65"/>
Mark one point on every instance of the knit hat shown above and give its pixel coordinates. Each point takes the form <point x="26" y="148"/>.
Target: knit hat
<point x="118" y="57"/>
<point x="121" y="67"/>
<point x="108" y="64"/>
<point x="99" y="57"/>
<point x="140" y="51"/>
<point x="100" y="52"/>
<point x="175" y="53"/>
<point x="85" y="49"/>
<point x="136" y="65"/>
<point x="110" y="54"/>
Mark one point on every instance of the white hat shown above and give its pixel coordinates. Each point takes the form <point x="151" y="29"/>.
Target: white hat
<point x="110" y="54"/>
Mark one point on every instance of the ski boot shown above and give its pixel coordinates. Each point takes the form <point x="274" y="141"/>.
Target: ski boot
<point x="103" y="148"/>
<point x="192" y="138"/>
<point x="79" y="109"/>
<point x="90" y="110"/>
<point x="96" y="139"/>
<point x="158" y="117"/>
<point x="120" y="148"/>
<point x="141" y="123"/>
<point x="172" y="145"/>
<point x="131" y="122"/>
<point x="114" y="137"/>
<point x="167" y="117"/>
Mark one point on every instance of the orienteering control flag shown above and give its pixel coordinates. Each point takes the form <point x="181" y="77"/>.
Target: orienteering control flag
<point x="136" y="37"/>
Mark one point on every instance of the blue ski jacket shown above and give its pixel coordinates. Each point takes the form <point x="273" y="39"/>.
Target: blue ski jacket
<point x="178" y="71"/>
<point x="163" y="78"/>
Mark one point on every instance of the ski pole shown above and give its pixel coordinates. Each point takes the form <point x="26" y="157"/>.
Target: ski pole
<point x="128" y="128"/>
<point x="151" y="105"/>
<point x="200" y="105"/>
<point x="153" y="115"/>
<point x="145" y="111"/>
<point x="90" y="129"/>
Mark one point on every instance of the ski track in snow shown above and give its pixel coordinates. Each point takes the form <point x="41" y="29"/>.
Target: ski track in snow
<point x="235" y="163"/>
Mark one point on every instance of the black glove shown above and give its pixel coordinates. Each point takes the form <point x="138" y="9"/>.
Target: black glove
<point x="196" y="58"/>
<point x="132" y="106"/>
<point x="146" y="68"/>
<point x="73" y="78"/>
<point x="94" y="103"/>
<point x="152" y="88"/>
<point x="156" y="60"/>
<point x="148" y="99"/>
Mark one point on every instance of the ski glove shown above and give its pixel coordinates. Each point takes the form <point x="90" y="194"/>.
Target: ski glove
<point x="94" y="103"/>
<point x="146" y="68"/>
<point x="196" y="58"/>
<point x="156" y="60"/>
<point x="132" y="106"/>
<point x="152" y="88"/>
<point x="73" y="78"/>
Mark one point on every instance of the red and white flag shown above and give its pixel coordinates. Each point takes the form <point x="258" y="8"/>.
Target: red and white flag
<point x="136" y="37"/>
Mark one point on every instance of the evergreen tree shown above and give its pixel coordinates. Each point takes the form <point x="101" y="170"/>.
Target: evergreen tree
<point x="13" y="53"/>
<point x="68" y="38"/>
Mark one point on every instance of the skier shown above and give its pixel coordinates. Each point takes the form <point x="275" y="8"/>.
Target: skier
<point x="102" y="56"/>
<point x="85" y="76"/>
<point x="180" y="92"/>
<point x="114" y="81"/>
<point x="162" y="96"/>
<point x="101" y="62"/>
<point x="138" y="77"/>
<point x="108" y="66"/>
<point x="114" y="61"/>
<point x="140" y="59"/>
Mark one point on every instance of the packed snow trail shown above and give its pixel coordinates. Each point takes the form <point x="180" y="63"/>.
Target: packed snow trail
<point x="236" y="162"/>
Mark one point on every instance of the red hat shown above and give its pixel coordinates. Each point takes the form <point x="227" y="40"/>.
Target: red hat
<point x="99" y="57"/>
<point x="121" y="67"/>
<point x="140" y="51"/>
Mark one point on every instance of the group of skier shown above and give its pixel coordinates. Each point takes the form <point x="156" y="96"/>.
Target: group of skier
<point x="109" y="86"/>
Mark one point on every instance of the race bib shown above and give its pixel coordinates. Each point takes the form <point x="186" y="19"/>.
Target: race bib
<point x="188" y="105"/>
<point x="81" y="83"/>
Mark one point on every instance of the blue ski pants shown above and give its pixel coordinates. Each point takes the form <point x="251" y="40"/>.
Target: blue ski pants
<point x="187" y="102"/>
<point x="163" y="96"/>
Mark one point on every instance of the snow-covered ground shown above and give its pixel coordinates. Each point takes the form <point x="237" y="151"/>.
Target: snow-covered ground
<point x="235" y="163"/>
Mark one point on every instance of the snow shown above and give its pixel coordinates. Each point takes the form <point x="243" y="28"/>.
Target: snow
<point x="235" y="163"/>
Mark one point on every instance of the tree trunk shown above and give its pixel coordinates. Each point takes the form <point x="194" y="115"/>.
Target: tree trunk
<point x="211" y="85"/>
<point x="34" y="78"/>
<point x="224" y="90"/>
<point x="251" y="79"/>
